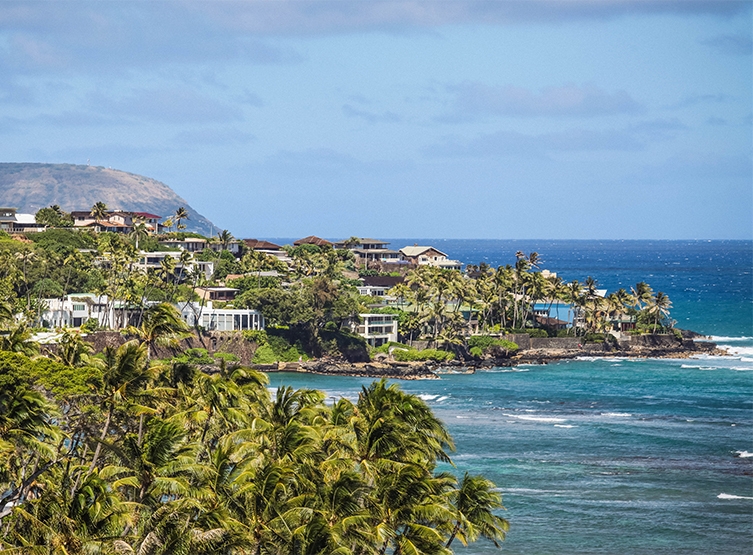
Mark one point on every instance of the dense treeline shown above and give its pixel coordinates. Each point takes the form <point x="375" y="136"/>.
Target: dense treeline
<point x="120" y="454"/>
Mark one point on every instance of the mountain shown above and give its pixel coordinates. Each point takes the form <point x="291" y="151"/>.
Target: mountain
<point x="29" y="187"/>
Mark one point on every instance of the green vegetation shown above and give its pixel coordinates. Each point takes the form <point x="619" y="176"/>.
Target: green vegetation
<point x="412" y="355"/>
<point x="480" y="345"/>
<point x="134" y="456"/>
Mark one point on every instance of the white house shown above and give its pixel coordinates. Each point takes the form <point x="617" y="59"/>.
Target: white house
<point x="154" y="260"/>
<point x="221" y="319"/>
<point x="429" y="256"/>
<point x="76" y="309"/>
<point x="377" y="329"/>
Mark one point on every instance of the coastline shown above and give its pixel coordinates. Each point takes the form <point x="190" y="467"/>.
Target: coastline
<point x="429" y="371"/>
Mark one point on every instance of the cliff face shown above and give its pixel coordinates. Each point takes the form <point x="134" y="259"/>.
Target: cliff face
<point x="29" y="187"/>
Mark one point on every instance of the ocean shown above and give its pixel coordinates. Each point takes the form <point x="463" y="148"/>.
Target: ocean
<point x="612" y="456"/>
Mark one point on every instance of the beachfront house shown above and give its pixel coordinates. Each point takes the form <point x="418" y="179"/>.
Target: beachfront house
<point x="377" y="329"/>
<point x="74" y="310"/>
<point x="220" y="319"/>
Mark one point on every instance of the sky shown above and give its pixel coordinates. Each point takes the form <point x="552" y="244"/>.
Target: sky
<point x="567" y="119"/>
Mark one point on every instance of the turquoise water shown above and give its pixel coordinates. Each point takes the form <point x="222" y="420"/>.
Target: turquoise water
<point x="613" y="456"/>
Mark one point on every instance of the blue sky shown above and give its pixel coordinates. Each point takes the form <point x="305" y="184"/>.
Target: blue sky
<point x="459" y="119"/>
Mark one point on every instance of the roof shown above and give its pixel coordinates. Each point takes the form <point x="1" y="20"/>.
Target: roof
<point x="256" y="244"/>
<point x="382" y="281"/>
<point x="104" y="224"/>
<point x="375" y="251"/>
<point x="415" y="250"/>
<point x="217" y="289"/>
<point x="186" y="240"/>
<point x="547" y="321"/>
<point x="366" y="241"/>
<point x="312" y="240"/>
<point x="25" y="218"/>
<point x="147" y="215"/>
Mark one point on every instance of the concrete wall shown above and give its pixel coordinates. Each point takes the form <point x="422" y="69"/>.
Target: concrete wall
<point x="555" y="342"/>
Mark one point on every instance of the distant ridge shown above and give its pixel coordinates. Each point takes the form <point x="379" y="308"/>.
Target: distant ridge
<point x="30" y="187"/>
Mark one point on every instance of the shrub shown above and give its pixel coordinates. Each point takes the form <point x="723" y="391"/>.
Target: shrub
<point x="274" y="348"/>
<point x="257" y="336"/>
<point x="480" y="344"/>
<point x="227" y="357"/>
<point x="194" y="356"/>
<point x="385" y="348"/>
<point x="413" y="355"/>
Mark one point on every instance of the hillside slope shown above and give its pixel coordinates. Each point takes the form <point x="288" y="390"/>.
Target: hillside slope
<point x="30" y="187"/>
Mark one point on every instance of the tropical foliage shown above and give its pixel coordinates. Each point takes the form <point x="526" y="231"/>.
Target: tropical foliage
<point x="163" y="459"/>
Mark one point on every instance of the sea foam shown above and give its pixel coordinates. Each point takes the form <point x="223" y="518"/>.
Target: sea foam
<point x="728" y="496"/>
<point x="537" y="418"/>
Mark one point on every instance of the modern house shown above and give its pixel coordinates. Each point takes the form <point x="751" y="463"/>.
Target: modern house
<point x="190" y="244"/>
<point x="76" y="309"/>
<point x="377" y="329"/>
<point x="221" y="319"/>
<point x="13" y="222"/>
<point x="377" y="286"/>
<point x="429" y="256"/>
<point x="154" y="260"/>
<point x="371" y="250"/>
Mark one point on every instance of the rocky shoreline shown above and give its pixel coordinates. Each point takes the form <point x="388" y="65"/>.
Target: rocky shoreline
<point x="428" y="370"/>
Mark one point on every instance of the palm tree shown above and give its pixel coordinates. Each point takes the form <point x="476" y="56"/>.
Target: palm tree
<point x="161" y="325"/>
<point x="180" y="215"/>
<point x="99" y="211"/>
<point x="125" y="370"/>
<point x="659" y="307"/>
<point x="473" y="503"/>
<point x="73" y="350"/>
<point x="225" y="238"/>
<point x="642" y="294"/>
<point x="139" y="232"/>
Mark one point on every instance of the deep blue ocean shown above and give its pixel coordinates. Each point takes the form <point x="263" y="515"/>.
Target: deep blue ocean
<point x="612" y="456"/>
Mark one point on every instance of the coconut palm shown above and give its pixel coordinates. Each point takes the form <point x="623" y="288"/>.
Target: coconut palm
<point x="99" y="211"/>
<point x="180" y="215"/>
<point x="659" y="308"/>
<point x="225" y="238"/>
<point x="161" y="325"/>
<point x="473" y="502"/>
<point x="125" y="370"/>
<point x="139" y="232"/>
<point x="73" y="350"/>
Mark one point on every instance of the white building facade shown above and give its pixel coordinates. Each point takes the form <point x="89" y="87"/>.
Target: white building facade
<point x="221" y="319"/>
<point x="377" y="329"/>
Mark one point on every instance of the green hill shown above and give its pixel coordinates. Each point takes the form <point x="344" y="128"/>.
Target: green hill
<point x="29" y="187"/>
